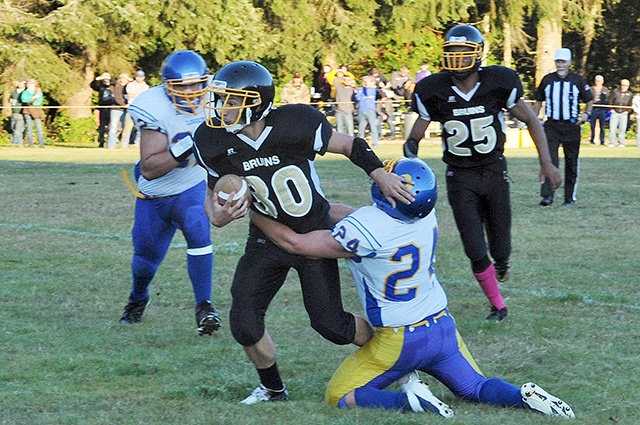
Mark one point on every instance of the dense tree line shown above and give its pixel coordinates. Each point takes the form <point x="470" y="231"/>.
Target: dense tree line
<point x="65" y="43"/>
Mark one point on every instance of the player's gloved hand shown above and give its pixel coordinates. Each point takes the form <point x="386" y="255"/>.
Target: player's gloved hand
<point x="181" y="150"/>
<point x="410" y="148"/>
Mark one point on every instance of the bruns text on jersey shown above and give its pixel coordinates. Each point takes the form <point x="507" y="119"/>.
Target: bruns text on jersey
<point x="260" y="162"/>
<point x="473" y="110"/>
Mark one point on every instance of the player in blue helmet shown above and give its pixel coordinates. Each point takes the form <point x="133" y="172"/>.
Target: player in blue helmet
<point x="423" y="185"/>
<point x="185" y="77"/>
<point x="391" y="257"/>
<point x="171" y="187"/>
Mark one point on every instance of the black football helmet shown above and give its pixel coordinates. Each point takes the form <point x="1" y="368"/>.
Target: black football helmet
<point x="463" y="49"/>
<point x="185" y="78"/>
<point x="242" y="87"/>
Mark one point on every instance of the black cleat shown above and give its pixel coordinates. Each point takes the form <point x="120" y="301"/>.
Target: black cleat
<point x="207" y="319"/>
<point x="546" y="201"/>
<point x="497" y="315"/>
<point x="133" y="311"/>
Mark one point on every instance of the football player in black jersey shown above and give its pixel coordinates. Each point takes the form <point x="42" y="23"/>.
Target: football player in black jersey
<point x="469" y="101"/>
<point x="274" y="149"/>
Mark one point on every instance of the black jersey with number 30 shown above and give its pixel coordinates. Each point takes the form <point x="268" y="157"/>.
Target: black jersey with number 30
<point x="278" y="165"/>
<point x="473" y="126"/>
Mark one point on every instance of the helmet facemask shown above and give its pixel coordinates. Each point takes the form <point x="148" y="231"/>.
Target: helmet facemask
<point x="223" y="102"/>
<point x="187" y="93"/>
<point x="461" y="58"/>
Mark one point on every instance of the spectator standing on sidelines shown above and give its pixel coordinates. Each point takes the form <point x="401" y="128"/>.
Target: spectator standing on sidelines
<point x="106" y="98"/>
<point x="562" y="92"/>
<point x="621" y="98"/>
<point x="344" y="109"/>
<point x="598" y="116"/>
<point x="366" y="98"/>
<point x="32" y="99"/>
<point x="132" y="90"/>
<point x="400" y="80"/>
<point x="295" y="91"/>
<point x="115" y="115"/>
<point x="17" y="120"/>
<point x="423" y="71"/>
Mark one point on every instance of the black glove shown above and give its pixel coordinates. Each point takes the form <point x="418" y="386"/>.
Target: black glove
<point x="410" y="148"/>
<point x="181" y="150"/>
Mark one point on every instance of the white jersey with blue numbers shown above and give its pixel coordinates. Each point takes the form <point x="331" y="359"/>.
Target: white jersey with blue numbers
<point x="393" y="270"/>
<point x="153" y="110"/>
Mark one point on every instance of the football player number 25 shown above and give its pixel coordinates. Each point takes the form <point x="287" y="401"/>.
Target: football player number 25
<point x="291" y="188"/>
<point x="481" y="131"/>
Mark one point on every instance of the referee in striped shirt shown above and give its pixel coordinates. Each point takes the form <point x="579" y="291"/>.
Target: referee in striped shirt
<point x="562" y="92"/>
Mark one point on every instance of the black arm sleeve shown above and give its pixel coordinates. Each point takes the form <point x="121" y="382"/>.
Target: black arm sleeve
<point x="363" y="156"/>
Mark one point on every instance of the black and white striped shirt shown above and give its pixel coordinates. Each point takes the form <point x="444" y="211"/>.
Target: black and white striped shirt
<point x="563" y="96"/>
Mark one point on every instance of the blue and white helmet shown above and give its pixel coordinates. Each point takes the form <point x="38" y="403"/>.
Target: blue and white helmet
<point x="423" y="184"/>
<point x="185" y="78"/>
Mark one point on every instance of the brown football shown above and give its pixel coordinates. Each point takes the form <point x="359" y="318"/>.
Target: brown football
<point x="230" y="183"/>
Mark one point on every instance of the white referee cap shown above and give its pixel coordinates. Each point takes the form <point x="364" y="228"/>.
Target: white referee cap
<point x="563" y="54"/>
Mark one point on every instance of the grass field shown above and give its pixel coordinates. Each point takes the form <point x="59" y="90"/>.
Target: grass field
<point x="66" y="215"/>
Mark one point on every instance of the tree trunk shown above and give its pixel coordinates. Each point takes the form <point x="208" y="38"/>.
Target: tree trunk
<point x="507" y="48"/>
<point x="590" y="32"/>
<point x="79" y="104"/>
<point x="549" y="39"/>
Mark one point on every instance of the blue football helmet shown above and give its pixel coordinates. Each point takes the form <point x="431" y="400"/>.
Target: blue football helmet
<point x="185" y="78"/>
<point x="463" y="50"/>
<point x="241" y="93"/>
<point x="423" y="184"/>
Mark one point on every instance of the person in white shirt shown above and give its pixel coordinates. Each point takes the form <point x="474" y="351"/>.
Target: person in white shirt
<point x="132" y="90"/>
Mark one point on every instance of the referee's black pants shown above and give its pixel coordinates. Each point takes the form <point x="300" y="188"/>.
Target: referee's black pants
<point x="567" y="135"/>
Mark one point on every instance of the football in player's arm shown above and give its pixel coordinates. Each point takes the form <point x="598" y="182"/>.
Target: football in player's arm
<point x="274" y="150"/>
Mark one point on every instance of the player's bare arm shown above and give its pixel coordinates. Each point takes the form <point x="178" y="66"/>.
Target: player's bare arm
<point x="315" y="244"/>
<point x="524" y="113"/>
<point x="410" y="147"/>
<point x="361" y="155"/>
<point x="155" y="159"/>
<point x="339" y="211"/>
<point x="221" y="215"/>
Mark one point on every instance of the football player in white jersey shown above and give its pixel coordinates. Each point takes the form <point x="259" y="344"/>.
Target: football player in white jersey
<point x="391" y="254"/>
<point x="171" y="186"/>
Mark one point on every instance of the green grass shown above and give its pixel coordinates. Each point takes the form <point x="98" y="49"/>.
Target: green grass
<point x="65" y="258"/>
